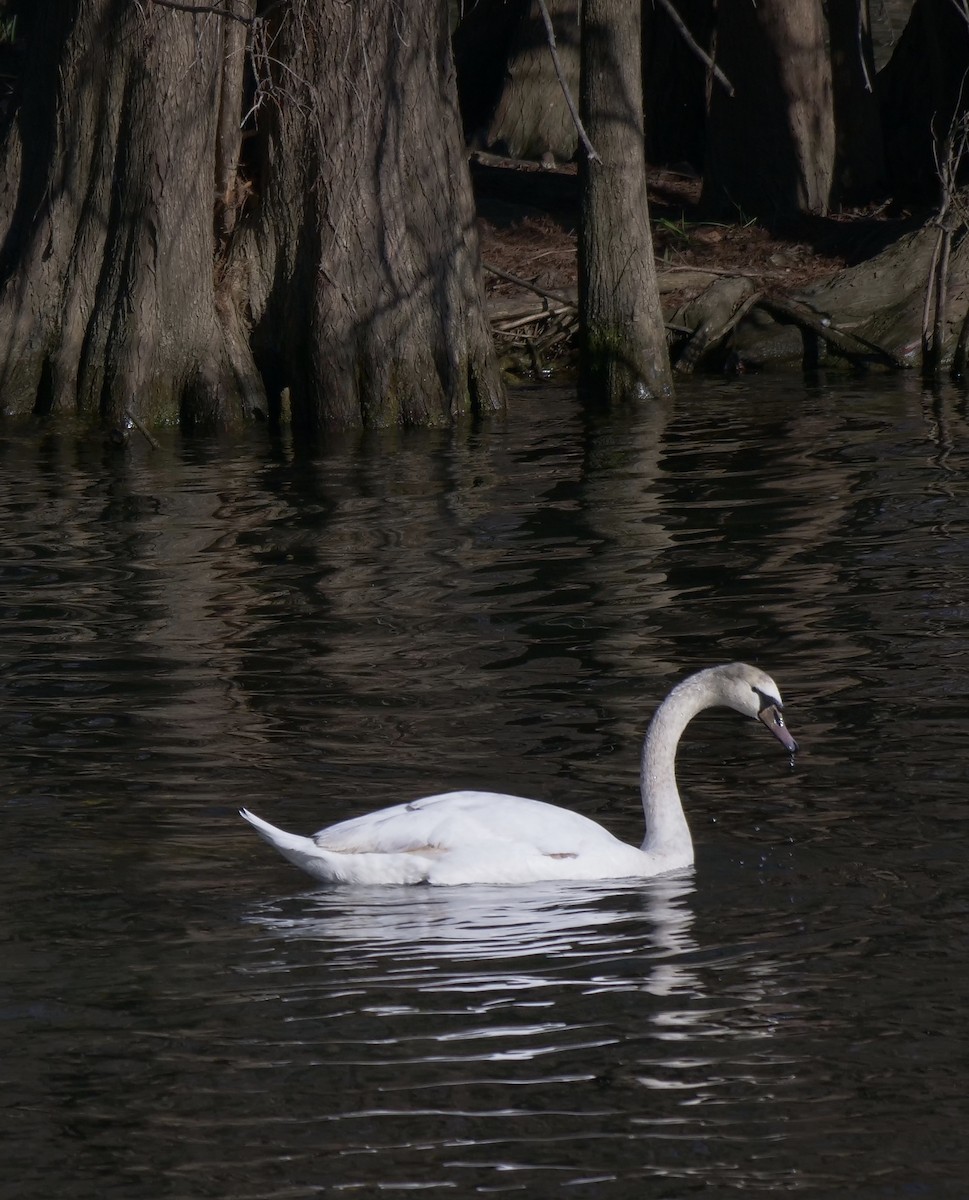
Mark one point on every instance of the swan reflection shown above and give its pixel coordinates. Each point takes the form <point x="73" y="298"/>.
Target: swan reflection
<point x="586" y="937"/>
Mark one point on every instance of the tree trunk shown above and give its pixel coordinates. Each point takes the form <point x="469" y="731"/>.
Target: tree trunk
<point x="363" y="266"/>
<point x="624" y="352"/>
<point x="511" y="97"/>
<point x="132" y="280"/>
<point x="106" y="266"/>
<point x="770" y="147"/>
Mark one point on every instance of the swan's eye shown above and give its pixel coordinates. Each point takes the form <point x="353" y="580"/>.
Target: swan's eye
<point x="767" y="703"/>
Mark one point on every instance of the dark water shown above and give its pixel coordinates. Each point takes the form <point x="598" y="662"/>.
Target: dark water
<point x="187" y="630"/>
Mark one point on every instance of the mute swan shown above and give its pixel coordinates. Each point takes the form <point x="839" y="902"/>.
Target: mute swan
<point x="484" y="837"/>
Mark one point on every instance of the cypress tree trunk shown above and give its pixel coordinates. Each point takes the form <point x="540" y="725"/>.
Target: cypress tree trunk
<point x="107" y="300"/>
<point x="131" y="281"/>
<point x="364" y="271"/>
<point x="771" y="146"/>
<point x="624" y="351"/>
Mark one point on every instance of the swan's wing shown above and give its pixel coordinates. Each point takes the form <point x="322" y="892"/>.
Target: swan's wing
<point x="463" y="820"/>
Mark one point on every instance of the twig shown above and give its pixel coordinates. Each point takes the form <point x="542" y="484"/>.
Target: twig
<point x="556" y="62"/>
<point x="695" y="46"/>
<point x="141" y="429"/>
<point x="215" y="10"/>
<point x="950" y="219"/>
<point x="664" y="268"/>
<point x="531" y="287"/>
<point x="941" y="299"/>
<point x="510" y="325"/>
<point x="219" y="10"/>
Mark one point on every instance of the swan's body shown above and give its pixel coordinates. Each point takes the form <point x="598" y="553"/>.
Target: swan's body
<point x="485" y="837"/>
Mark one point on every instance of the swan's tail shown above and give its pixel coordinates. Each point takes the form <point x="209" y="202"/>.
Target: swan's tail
<point x="332" y="866"/>
<point x="303" y="852"/>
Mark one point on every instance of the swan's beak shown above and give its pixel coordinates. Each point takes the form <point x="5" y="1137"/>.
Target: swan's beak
<point x="771" y="716"/>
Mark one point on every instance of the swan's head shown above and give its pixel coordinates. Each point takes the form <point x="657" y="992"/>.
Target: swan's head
<point x="752" y="692"/>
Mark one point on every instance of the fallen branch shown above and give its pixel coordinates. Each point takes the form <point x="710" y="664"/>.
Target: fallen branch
<point x="849" y="344"/>
<point x="711" y="333"/>
<point x="557" y="297"/>
<point x="532" y="318"/>
<point x="130" y="416"/>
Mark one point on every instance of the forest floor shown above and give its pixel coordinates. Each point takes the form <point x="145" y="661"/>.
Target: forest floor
<point x="528" y="218"/>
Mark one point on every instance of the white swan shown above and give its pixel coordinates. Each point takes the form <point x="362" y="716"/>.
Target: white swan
<point x="484" y="837"/>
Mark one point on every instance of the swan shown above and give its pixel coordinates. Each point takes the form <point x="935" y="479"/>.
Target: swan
<point x="485" y="837"/>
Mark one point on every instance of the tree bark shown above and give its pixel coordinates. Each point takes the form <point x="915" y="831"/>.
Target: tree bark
<point x="880" y="308"/>
<point x="363" y="266"/>
<point x="770" y="147"/>
<point x="133" y="281"/>
<point x="106" y="233"/>
<point x="624" y="352"/>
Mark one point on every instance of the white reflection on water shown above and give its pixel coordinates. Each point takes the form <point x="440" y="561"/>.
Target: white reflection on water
<point x="596" y="938"/>
<point x="505" y="921"/>
<point x="574" y="1024"/>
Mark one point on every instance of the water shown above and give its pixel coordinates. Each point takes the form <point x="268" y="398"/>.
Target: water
<point x="188" y="630"/>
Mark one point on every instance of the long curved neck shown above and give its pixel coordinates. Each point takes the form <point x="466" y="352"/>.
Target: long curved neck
<point x="667" y="832"/>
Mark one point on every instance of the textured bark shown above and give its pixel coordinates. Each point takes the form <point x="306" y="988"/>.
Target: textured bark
<point x="771" y="146"/>
<point x="133" y="279"/>
<point x="882" y="302"/>
<point x="364" y="272"/>
<point x="624" y="350"/>
<point x="107" y="300"/>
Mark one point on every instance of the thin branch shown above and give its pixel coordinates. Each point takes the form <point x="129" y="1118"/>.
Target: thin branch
<point x="950" y="219"/>
<point x="556" y="297"/>
<point x="219" y="10"/>
<point x="557" y="63"/>
<point x="216" y="10"/>
<point x="962" y="8"/>
<point x="141" y="429"/>
<point x="695" y="46"/>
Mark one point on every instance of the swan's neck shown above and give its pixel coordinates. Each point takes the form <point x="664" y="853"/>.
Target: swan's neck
<point x="667" y="833"/>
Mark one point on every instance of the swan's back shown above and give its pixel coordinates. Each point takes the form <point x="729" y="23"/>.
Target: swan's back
<point x="453" y="820"/>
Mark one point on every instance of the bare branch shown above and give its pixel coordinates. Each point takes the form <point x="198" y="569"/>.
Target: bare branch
<point x="218" y="10"/>
<point x="556" y="62"/>
<point x="695" y="46"/>
<point x="962" y="8"/>
<point x="557" y="297"/>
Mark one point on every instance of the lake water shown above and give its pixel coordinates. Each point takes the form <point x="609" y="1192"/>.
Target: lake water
<point x="207" y="625"/>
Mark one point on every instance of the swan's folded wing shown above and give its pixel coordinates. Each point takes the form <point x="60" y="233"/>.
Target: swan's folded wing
<point x="463" y="820"/>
